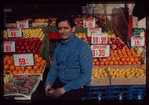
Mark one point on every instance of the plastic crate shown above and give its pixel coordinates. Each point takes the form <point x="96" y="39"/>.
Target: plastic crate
<point x="137" y="92"/>
<point x="117" y="92"/>
<point x="97" y="93"/>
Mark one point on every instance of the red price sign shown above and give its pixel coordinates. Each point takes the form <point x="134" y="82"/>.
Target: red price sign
<point x="100" y="50"/>
<point x="97" y="38"/>
<point x="23" y="59"/>
<point x="88" y="23"/>
<point x="14" y="32"/>
<point x="137" y="41"/>
<point x="22" y="24"/>
<point x="9" y="46"/>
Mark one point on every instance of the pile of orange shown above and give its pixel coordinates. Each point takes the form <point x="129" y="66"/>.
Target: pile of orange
<point x="120" y="57"/>
<point x="96" y="61"/>
<point x="38" y="65"/>
<point x="37" y="68"/>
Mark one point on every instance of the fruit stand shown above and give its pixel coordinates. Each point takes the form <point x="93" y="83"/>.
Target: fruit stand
<point x="119" y="69"/>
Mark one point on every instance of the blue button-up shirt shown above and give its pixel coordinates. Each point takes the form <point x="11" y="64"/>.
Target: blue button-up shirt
<point x="72" y="64"/>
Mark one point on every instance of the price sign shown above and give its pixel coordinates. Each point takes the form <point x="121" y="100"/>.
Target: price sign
<point x="137" y="41"/>
<point x="14" y="32"/>
<point x="9" y="46"/>
<point x="22" y="24"/>
<point x="88" y="23"/>
<point x="100" y="50"/>
<point x="99" y="38"/>
<point x="87" y="10"/>
<point x="23" y="59"/>
<point x="138" y="32"/>
<point x="90" y="31"/>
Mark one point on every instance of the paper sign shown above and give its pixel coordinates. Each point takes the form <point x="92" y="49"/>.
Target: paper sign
<point x="93" y="30"/>
<point x="99" y="38"/>
<point x="89" y="23"/>
<point x="100" y="50"/>
<point x="87" y="10"/>
<point x="137" y="41"/>
<point x="23" y="59"/>
<point x="138" y="32"/>
<point x="16" y="32"/>
<point x="22" y="24"/>
<point x="9" y="46"/>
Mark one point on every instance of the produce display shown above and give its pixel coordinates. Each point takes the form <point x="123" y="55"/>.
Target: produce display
<point x="52" y="21"/>
<point x="127" y="73"/>
<point x="7" y="77"/>
<point x="29" y="45"/>
<point x="10" y="67"/>
<point x="120" y="57"/>
<point x="22" y="84"/>
<point x="41" y="20"/>
<point x="140" y="53"/>
<point x="99" y="73"/>
<point x="84" y="37"/>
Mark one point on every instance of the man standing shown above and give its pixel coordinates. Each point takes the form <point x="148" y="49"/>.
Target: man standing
<point x="70" y="72"/>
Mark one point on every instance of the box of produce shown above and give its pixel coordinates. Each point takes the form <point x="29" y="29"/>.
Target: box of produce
<point x="99" y="77"/>
<point x="128" y="76"/>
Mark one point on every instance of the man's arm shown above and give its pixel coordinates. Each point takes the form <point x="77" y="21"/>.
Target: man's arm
<point x="86" y="60"/>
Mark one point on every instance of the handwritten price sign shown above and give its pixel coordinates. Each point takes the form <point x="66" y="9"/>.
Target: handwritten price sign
<point x="90" y="31"/>
<point x="100" y="50"/>
<point x="14" y="32"/>
<point x="22" y="24"/>
<point x="9" y="46"/>
<point x="23" y="59"/>
<point x="97" y="38"/>
<point x="88" y="23"/>
<point x="137" y="41"/>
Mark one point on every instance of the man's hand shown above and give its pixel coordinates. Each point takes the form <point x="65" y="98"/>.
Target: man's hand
<point x="47" y="88"/>
<point x="57" y="92"/>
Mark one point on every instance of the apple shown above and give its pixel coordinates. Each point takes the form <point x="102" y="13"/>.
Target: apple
<point x="27" y="47"/>
<point x="31" y="40"/>
<point x="17" y="47"/>
<point x="22" y="47"/>
<point x="110" y="42"/>
<point x="33" y="51"/>
<point x="19" y="51"/>
<point x="89" y="38"/>
<point x="25" y="43"/>
<point x="20" y="43"/>
<point x="24" y="51"/>
<point x="29" y="51"/>
<point x="39" y="41"/>
<point x="113" y="42"/>
<point x="122" y="44"/>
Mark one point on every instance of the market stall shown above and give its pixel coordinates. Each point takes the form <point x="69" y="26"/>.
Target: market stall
<point x="119" y="53"/>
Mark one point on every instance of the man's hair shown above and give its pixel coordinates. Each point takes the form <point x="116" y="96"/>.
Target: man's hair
<point x="65" y="17"/>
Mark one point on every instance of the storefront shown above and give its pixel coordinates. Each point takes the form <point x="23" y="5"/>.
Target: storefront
<point x="117" y="40"/>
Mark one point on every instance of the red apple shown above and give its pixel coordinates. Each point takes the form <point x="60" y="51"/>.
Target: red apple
<point x="33" y="51"/>
<point x="26" y="47"/>
<point x="29" y="51"/>
<point x="24" y="51"/>
<point x="32" y="47"/>
<point x="19" y="51"/>
<point x="22" y="47"/>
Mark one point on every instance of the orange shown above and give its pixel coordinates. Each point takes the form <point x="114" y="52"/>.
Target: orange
<point x="118" y="58"/>
<point x="22" y="67"/>
<point x="121" y="56"/>
<point x="6" y="66"/>
<point x="129" y="53"/>
<point x="115" y="62"/>
<point x="112" y="54"/>
<point x="125" y="56"/>
<point x="138" y="62"/>
<point x="32" y="71"/>
<point x="127" y="59"/>
<point x="38" y="64"/>
<point x="136" y="59"/>
<point x="129" y="62"/>
<point x="40" y="58"/>
<point x="18" y="68"/>
<point x="95" y="60"/>
<point x="11" y="57"/>
<point x="41" y="68"/>
<point x="106" y="62"/>
<point x="122" y="59"/>
<point x="12" y="67"/>
<point x="20" y="71"/>
<point x="120" y="62"/>
<point x="93" y="63"/>
<point x="109" y="58"/>
<point x="15" y="72"/>
<point x="6" y="57"/>
<point x="102" y="63"/>
<point x="113" y="58"/>
<point x="27" y="71"/>
<point x="111" y="62"/>
<point x="36" y="56"/>
<point x="115" y="51"/>
<point x="97" y="63"/>
<point x="44" y="61"/>
<point x="35" y="67"/>
<point x="9" y="62"/>
<point x="4" y="62"/>
<point x="132" y="59"/>
<point x="39" y="71"/>
<point x="125" y="63"/>
<point x="119" y="50"/>
<point x="29" y="67"/>
<point x="134" y="62"/>
<point x="104" y="59"/>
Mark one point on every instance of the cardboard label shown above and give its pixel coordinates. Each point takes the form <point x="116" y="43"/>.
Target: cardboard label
<point x="101" y="38"/>
<point x="23" y="59"/>
<point x="137" y="41"/>
<point x="100" y="50"/>
<point x="16" y="32"/>
<point x="90" y="31"/>
<point x="22" y="24"/>
<point x="89" y="23"/>
<point x="9" y="46"/>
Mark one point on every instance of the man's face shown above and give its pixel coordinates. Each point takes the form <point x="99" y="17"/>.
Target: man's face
<point x="65" y="30"/>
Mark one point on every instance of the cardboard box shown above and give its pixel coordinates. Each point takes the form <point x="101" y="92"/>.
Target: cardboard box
<point x="100" y="81"/>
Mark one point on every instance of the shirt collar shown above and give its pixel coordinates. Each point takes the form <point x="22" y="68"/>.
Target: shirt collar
<point x="69" y="40"/>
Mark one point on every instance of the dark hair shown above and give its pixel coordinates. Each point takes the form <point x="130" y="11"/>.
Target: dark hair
<point x="65" y="17"/>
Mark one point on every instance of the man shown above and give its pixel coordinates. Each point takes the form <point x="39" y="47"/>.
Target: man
<point x="70" y="72"/>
